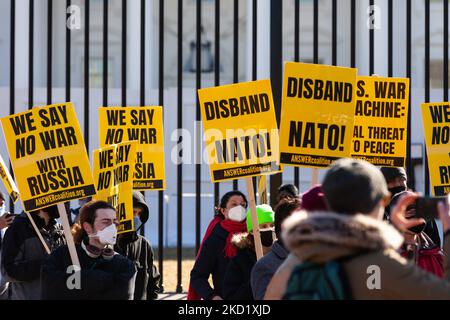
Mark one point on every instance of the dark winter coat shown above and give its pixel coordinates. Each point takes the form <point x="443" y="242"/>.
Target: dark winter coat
<point x="265" y="268"/>
<point x="236" y="284"/>
<point x="211" y="261"/>
<point x="139" y="250"/>
<point x="23" y="254"/>
<point x="136" y="248"/>
<point x="100" y="278"/>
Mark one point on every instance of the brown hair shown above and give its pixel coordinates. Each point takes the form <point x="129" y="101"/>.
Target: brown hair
<point x="283" y="210"/>
<point x="224" y="201"/>
<point x="88" y="213"/>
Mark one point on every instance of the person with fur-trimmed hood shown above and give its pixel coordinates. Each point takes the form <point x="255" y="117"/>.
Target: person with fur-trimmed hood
<point x="139" y="250"/>
<point x="236" y="284"/>
<point x="353" y="233"/>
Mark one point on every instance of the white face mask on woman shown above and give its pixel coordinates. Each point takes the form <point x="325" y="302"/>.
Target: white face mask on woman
<point x="238" y="213"/>
<point x="107" y="236"/>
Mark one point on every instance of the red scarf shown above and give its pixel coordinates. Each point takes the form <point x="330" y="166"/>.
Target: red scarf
<point x="230" y="251"/>
<point x="233" y="228"/>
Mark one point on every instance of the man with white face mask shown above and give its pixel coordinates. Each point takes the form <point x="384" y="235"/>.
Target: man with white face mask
<point x="104" y="275"/>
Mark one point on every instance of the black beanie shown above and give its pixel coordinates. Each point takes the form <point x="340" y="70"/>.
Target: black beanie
<point x="353" y="186"/>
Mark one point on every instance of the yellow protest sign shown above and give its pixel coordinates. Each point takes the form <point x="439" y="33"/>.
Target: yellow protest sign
<point x="240" y="130"/>
<point x="142" y="124"/>
<point x="113" y="175"/>
<point x="8" y="181"/>
<point x="317" y="114"/>
<point x="48" y="156"/>
<point x="381" y="121"/>
<point x="436" y="124"/>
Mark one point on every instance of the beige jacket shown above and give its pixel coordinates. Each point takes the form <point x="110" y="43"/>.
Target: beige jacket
<point x="324" y="236"/>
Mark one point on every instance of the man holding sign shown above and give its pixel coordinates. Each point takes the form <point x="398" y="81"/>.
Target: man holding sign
<point x="114" y="167"/>
<point x="50" y="163"/>
<point x="104" y="275"/>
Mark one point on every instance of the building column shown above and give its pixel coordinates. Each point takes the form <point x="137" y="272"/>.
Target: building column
<point x="133" y="48"/>
<point x="381" y="39"/>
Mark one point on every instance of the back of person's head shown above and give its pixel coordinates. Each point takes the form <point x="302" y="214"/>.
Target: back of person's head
<point x="314" y="199"/>
<point x="283" y="210"/>
<point x="224" y="201"/>
<point x="353" y="186"/>
<point x="88" y="213"/>
<point x="287" y="190"/>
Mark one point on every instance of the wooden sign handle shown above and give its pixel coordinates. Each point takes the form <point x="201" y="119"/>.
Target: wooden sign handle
<point x="254" y="216"/>
<point x="69" y="238"/>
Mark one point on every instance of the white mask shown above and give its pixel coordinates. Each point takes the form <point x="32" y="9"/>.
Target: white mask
<point x="2" y="209"/>
<point x="237" y="214"/>
<point x="107" y="236"/>
<point x="137" y="222"/>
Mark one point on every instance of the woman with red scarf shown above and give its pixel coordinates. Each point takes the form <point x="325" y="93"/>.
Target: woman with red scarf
<point x="216" y="249"/>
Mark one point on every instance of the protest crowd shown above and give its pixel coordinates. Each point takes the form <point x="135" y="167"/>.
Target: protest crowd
<point x="316" y="245"/>
<point x="336" y="230"/>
